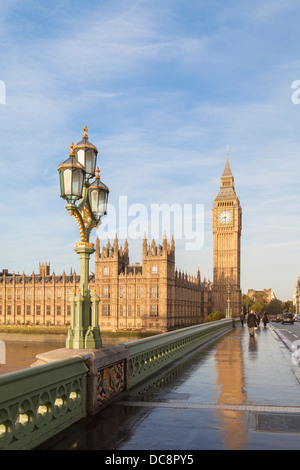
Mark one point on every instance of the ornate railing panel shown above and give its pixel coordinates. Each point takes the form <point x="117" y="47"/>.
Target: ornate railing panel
<point x="39" y="402"/>
<point x="147" y="356"/>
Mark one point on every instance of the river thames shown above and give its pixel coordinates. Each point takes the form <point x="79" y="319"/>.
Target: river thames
<point x="21" y="351"/>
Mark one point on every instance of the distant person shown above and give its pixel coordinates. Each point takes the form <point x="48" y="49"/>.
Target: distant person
<point x="252" y="322"/>
<point x="265" y="320"/>
<point x="242" y="318"/>
<point x="258" y="318"/>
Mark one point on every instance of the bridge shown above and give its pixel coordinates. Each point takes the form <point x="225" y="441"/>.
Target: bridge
<point x="204" y="387"/>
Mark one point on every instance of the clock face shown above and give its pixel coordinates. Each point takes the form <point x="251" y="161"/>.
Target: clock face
<point x="225" y="217"/>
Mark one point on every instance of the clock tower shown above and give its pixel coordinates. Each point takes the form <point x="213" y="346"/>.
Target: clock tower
<point x="227" y="227"/>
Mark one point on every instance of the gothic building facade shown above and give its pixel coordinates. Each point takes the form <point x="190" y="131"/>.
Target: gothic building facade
<point x="152" y="295"/>
<point x="227" y="228"/>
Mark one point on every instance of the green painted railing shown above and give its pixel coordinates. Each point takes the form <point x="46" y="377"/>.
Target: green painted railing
<point x="147" y="356"/>
<point x="39" y="402"/>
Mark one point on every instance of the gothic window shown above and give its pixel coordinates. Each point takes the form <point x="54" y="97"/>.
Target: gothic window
<point x="138" y="292"/>
<point x="121" y="310"/>
<point x="138" y="311"/>
<point x="106" y="310"/>
<point x="106" y="271"/>
<point x="154" y="269"/>
<point x="106" y="292"/>
<point x="28" y="294"/>
<point x="48" y="294"/>
<point x="130" y="292"/>
<point x="129" y="310"/>
<point x="154" y="292"/>
<point x="38" y="294"/>
<point x="9" y="294"/>
<point x="59" y="293"/>
<point x="154" y="311"/>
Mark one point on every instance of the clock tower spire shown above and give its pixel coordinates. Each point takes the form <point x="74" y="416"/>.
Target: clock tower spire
<point x="227" y="227"/>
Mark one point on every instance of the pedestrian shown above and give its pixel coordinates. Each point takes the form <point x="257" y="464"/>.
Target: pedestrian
<point x="242" y="318"/>
<point x="251" y="322"/>
<point x="258" y="318"/>
<point x="265" y="320"/>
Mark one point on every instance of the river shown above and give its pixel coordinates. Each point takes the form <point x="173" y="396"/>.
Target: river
<point x="21" y="351"/>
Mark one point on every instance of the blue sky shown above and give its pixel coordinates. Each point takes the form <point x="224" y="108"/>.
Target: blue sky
<point x="163" y="87"/>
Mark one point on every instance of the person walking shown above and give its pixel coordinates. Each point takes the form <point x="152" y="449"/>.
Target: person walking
<point x="242" y="318"/>
<point x="265" y="320"/>
<point x="251" y="322"/>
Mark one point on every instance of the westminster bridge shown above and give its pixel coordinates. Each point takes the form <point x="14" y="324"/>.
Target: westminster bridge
<point x="204" y="387"/>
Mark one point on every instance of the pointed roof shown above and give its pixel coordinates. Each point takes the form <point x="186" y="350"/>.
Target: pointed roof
<point x="227" y="170"/>
<point x="227" y="190"/>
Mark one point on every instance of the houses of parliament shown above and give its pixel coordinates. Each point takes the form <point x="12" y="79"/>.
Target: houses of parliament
<point x="152" y="295"/>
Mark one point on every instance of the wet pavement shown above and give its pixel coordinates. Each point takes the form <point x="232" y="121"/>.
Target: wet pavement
<point x="236" y="393"/>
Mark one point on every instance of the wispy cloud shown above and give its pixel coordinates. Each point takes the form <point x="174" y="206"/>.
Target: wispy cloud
<point x="163" y="89"/>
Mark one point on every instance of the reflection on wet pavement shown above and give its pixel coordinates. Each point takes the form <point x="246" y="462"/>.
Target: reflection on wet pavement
<point x="208" y="401"/>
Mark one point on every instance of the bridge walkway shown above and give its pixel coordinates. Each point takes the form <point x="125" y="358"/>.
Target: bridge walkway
<point x="236" y="393"/>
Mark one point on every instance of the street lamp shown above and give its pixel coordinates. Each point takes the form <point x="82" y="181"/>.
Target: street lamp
<point x="228" y="310"/>
<point x="91" y="199"/>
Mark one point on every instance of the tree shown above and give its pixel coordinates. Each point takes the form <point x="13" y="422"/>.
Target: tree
<point x="288" y="306"/>
<point x="258" y="307"/>
<point x="274" y="307"/>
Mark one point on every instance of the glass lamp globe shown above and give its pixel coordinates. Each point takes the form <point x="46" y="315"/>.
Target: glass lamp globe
<point x="86" y="154"/>
<point x="98" y="197"/>
<point x="71" y="177"/>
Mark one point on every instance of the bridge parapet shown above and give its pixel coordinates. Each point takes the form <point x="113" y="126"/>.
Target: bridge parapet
<point x="148" y="356"/>
<point x="39" y="402"/>
<point x="62" y="388"/>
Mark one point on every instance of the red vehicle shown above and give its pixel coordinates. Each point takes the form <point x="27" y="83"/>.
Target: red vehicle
<point x="272" y="317"/>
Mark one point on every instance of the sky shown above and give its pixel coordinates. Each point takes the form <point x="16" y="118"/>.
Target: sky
<point x="163" y="87"/>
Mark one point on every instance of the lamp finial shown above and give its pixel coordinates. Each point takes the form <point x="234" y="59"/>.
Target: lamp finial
<point x="72" y="153"/>
<point x="85" y="129"/>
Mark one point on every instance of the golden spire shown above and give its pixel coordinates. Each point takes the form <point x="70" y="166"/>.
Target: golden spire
<point x="227" y="170"/>
<point x="97" y="173"/>
<point x="72" y="153"/>
<point x="85" y="129"/>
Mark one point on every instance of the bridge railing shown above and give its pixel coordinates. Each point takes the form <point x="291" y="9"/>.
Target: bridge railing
<point x="147" y="356"/>
<point x="38" y="402"/>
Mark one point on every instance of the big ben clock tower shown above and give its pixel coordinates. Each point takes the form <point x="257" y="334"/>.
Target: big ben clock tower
<point x="227" y="227"/>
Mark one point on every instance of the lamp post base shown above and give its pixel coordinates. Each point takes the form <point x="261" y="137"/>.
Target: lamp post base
<point x="228" y="313"/>
<point x="84" y="339"/>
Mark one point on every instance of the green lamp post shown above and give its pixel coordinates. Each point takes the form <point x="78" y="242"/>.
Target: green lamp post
<point x="228" y="310"/>
<point x="87" y="202"/>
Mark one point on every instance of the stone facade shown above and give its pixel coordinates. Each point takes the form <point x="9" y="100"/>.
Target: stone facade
<point x="268" y="294"/>
<point x="148" y="296"/>
<point x="41" y="298"/>
<point x="152" y="295"/>
<point x="296" y="295"/>
<point x="227" y="227"/>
